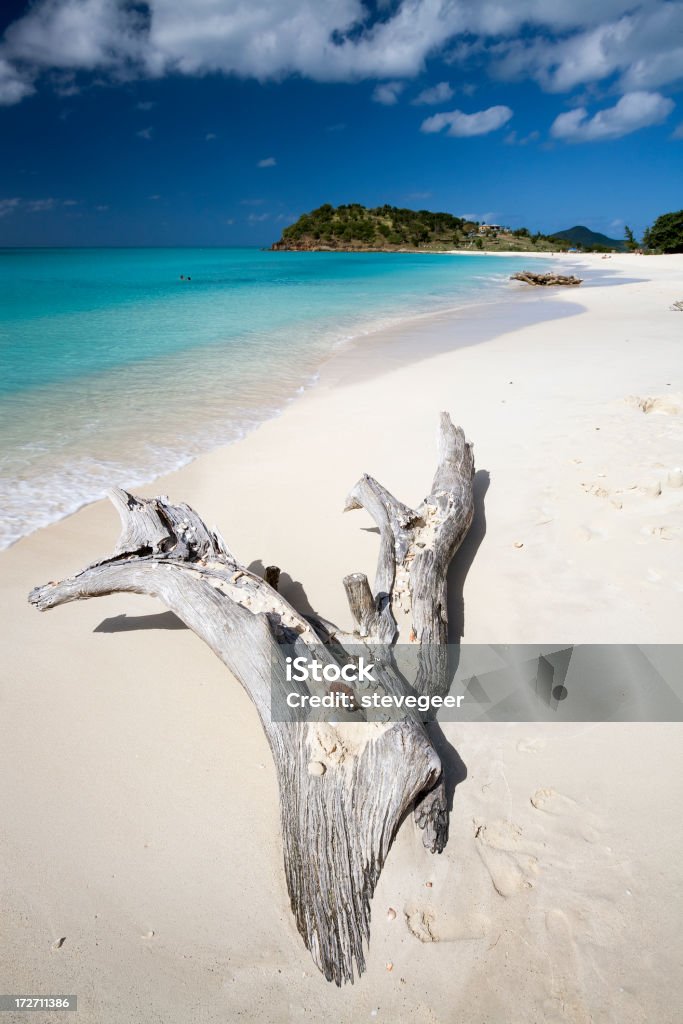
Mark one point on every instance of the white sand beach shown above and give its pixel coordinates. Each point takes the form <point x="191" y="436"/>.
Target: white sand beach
<point x="140" y="851"/>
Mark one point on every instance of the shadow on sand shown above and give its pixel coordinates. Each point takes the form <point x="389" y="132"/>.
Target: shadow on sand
<point x="454" y="768"/>
<point x="128" y="623"/>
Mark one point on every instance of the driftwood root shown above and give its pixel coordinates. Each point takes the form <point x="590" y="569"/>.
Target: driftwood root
<point x="344" y="785"/>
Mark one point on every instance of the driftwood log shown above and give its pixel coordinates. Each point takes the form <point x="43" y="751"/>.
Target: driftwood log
<point x="345" y="785"/>
<point x="678" y="306"/>
<point x="549" y="280"/>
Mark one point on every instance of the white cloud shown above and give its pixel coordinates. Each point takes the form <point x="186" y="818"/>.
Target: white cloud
<point x="635" y="110"/>
<point x="483" y="218"/>
<point x="268" y="161"/>
<point x="13" y="86"/>
<point x="439" y="93"/>
<point x="388" y="93"/>
<point x="69" y="36"/>
<point x="265" y="39"/>
<point x="644" y="48"/>
<point x="87" y="34"/>
<point x="257" y="218"/>
<point x="513" y="139"/>
<point x="64" y="83"/>
<point x="210" y="136"/>
<point x="145" y="104"/>
<point x="564" y="65"/>
<point x="559" y="44"/>
<point x="145" y="133"/>
<point x="39" y="205"/>
<point x="464" y="125"/>
<point x="8" y="206"/>
<point x="678" y="132"/>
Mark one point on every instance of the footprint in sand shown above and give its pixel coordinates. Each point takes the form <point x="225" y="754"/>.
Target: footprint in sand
<point x="575" y="818"/>
<point x="566" y="1003"/>
<point x="598" y="490"/>
<point x="428" y="924"/>
<point x="531" y="745"/>
<point x="648" y="405"/>
<point x="662" y="532"/>
<point x="545" y="514"/>
<point x="501" y="848"/>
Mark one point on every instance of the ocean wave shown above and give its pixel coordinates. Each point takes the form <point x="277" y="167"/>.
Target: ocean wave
<point x="68" y="438"/>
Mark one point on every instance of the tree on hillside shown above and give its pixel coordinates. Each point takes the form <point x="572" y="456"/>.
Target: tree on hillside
<point x="666" y="234"/>
<point x="632" y="242"/>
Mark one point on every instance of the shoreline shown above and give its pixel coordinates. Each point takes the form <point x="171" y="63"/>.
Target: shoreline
<point x="369" y="339"/>
<point x="159" y="887"/>
<point x="274" y="403"/>
<point x="534" y="253"/>
<point x="360" y="367"/>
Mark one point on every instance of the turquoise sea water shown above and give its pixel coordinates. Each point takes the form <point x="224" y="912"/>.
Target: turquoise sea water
<point x="114" y="369"/>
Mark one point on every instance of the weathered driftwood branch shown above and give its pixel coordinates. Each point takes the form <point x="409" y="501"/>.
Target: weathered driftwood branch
<point x="416" y="549"/>
<point x="528" y="277"/>
<point x="344" y="785"/>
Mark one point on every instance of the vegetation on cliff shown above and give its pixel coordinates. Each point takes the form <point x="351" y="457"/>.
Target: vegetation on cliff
<point x="389" y="228"/>
<point x="355" y="226"/>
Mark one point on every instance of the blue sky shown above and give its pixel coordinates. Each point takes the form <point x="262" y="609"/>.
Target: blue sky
<point x="217" y="122"/>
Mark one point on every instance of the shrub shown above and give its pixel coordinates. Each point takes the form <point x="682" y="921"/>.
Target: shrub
<point x="666" y="234"/>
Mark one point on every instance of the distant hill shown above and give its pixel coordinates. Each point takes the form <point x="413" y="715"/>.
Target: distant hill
<point x="588" y="239"/>
<point x="354" y="228"/>
<point x="385" y="227"/>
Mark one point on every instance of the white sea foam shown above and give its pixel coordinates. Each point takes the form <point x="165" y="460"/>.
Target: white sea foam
<point x="65" y="444"/>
